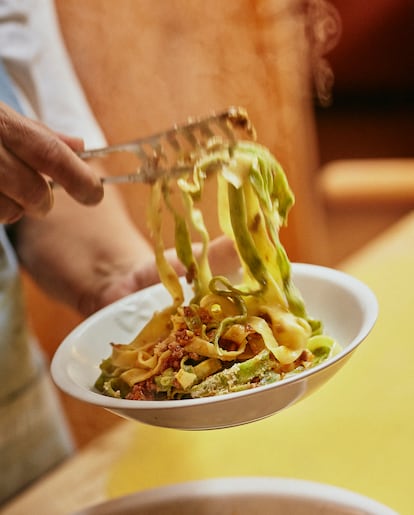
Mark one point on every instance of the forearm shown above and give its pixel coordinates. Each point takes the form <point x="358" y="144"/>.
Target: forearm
<point x="74" y="251"/>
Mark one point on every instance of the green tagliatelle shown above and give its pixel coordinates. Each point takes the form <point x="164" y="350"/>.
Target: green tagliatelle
<point x="228" y="337"/>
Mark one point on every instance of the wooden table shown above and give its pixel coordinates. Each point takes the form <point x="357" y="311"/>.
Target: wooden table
<point x="357" y="432"/>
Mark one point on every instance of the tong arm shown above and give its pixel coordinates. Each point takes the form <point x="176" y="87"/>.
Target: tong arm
<point x="173" y="151"/>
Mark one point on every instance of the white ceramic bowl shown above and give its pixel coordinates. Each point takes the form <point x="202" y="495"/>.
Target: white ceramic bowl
<point x="242" y="496"/>
<point x="346" y="306"/>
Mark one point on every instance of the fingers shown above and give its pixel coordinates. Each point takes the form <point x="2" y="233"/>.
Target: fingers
<point x="131" y="276"/>
<point x="76" y="144"/>
<point x="22" y="189"/>
<point x="35" y="149"/>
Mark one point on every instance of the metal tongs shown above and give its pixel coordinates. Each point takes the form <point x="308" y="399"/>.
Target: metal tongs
<point x="175" y="150"/>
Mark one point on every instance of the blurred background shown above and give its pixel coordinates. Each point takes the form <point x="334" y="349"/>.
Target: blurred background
<point x="328" y="85"/>
<point x="366" y="134"/>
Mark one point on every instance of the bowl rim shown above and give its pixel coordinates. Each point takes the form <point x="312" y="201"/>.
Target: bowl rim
<point x="62" y="378"/>
<point x="244" y="486"/>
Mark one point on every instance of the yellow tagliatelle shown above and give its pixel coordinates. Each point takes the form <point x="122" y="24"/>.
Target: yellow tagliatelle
<point x="229" y="336"/>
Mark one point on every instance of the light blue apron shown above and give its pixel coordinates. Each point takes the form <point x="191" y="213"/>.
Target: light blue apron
<point x="33" y="432"/>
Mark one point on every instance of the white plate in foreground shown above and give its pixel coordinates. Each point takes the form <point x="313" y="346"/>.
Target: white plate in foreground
<point x="244" y="496"/>
<point x="347" y="308"/>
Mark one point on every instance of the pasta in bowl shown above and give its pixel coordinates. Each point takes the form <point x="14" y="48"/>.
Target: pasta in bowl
<point x="228" y="335"/>
<point x="346" y="305"/>
<point x="208" y="351"/>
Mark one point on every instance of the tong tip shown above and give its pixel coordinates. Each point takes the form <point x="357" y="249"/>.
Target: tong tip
<point x="239" y="118"/>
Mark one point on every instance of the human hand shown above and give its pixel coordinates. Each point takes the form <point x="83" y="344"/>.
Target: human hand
<point x="30" y="151"/>
<point x="117" y="281"/>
